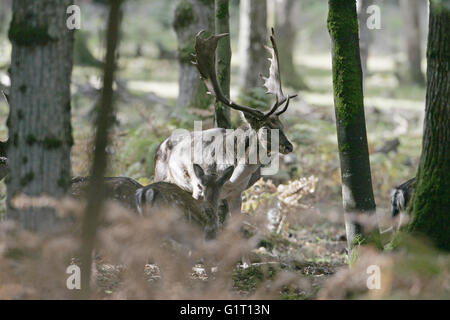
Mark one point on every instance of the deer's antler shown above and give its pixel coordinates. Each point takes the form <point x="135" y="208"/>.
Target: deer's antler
<point x="205" y="61"/>
<point x="273" y="82"/>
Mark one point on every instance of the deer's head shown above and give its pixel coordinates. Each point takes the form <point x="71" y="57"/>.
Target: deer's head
<point x="264" y="127"/>
<point x="212" y="184"/>
<point x="260" y="121"/>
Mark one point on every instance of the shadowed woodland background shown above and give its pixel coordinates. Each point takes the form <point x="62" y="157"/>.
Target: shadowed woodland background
<point x="292" y="226"/>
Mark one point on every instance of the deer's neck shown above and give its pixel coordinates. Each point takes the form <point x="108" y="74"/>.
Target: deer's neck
<point x="245" y="143"/>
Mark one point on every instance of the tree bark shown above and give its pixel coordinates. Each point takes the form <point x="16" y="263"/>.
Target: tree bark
<point x="191" y="16"/>
<point x="286" y="25"/>
<point x="223" y="60"/>
<point x="357" y="191"/>
<point x="252" y="38"/>
<point x="103" y="124"/>
<point x="431" y="200"/>
<point x="39" y="119"/>
<point x="410" y="12"/>
<point x="364" y="34"/>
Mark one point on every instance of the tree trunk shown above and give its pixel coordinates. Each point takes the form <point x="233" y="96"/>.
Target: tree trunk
<point x="410" y="12"/>
<point x="431" y="199"/>
<point x="357" y="191"/>
<point x="223" y="60"/>
<point x="39" y="120"/>
<point x="364" y="34"/>
<point x="97" y="188"/>
<point x="286" y="25"/>
<point x="252" y="38"/>
<point x="191" y="16"/>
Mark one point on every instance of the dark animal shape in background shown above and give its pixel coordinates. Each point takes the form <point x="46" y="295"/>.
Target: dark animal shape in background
<point x="3" y="145"/>
<point x="204" y="213"/>
<point x="3" y="167"/>
<point x="121" y="189"/>
<point x="388" y="146"/>
<point x="401" y="195"/>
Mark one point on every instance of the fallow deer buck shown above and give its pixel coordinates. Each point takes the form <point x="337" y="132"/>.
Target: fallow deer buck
<point x="164" y="195"/>
<point x="219" y="147"/>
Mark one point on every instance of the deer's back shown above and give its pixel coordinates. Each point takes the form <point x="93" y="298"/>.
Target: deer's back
<point x="161" y="196"/>
<point x="121" y="189"/>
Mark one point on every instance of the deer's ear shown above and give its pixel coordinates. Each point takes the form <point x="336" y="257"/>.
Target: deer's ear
<point x="226" y="174"/>
<point x="198" y="171"/>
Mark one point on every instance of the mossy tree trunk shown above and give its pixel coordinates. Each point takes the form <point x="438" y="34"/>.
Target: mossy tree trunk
<point x="190" y="17"/>
<point x="411" y="12"/>
<point x="357" y="190"/>
<point x="252" y="38"/>
<point x="40" y="135"/>
<point x="364" y="33"/>
<point x="223" y="60"/>
<point x="286" y="25"/>
<point x="430" y="206"/>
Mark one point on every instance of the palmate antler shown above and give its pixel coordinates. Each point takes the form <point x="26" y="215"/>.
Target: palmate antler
<point x="205" y="61"/>
<point x="273" y="82"/>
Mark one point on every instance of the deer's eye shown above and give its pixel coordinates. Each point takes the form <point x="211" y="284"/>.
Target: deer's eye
<point x="200" y="187"/>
